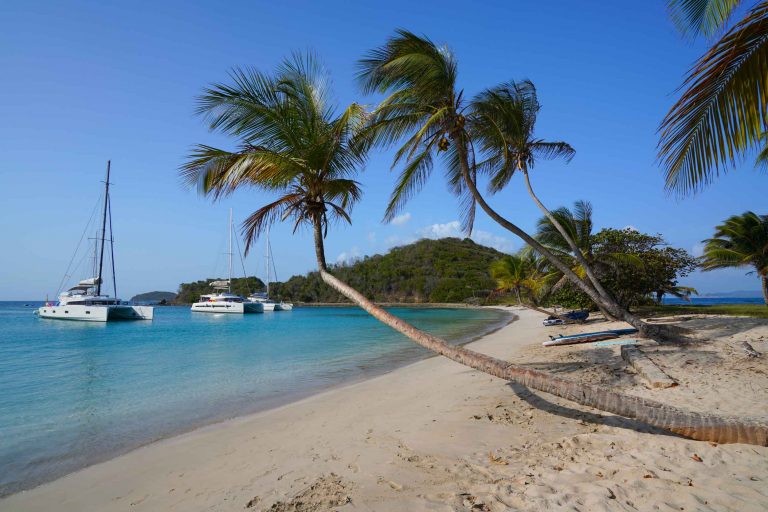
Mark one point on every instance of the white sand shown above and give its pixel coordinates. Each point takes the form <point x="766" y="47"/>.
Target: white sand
<point x="438" y="436"/>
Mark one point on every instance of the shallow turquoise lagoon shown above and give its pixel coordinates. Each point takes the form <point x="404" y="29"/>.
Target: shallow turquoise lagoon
<point x="75" y="393"/>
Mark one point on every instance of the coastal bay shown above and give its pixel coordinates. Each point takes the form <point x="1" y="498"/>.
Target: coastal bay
<point x="435" y="435"/>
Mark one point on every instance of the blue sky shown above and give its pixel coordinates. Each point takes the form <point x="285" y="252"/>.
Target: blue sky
<point x="84" y="82"/>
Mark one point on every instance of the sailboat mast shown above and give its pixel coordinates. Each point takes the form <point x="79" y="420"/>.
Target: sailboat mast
<point x="103" y="230"/>
<point x="230" y="251"/>
<point x="267" y="258"/>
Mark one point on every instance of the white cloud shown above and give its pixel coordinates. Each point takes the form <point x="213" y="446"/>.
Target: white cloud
<point x="449" y="229"/>
<point x="697" y="250"/>
<point x="401" y="219"/>
<point x="453" y="229"/>
<point x="497" y="242"/>
<point x="395" y="240"/>
<point x="372" y="237"/>
<point x="630" y="227"/>
<point x="348" y="257"/>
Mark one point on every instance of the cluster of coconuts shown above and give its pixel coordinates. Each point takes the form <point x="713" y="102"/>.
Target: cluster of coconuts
<point x="442" y="144"/>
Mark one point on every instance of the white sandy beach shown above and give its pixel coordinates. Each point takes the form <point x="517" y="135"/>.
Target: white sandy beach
<point x="438" y="436"/>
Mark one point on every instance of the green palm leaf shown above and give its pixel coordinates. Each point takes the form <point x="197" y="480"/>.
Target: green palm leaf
<point x="701" y="16"/>
<point x="722" y="111"/>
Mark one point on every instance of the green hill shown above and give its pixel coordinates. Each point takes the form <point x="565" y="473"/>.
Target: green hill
<point x="154" y="297"/>
<point x="445" y="270"/>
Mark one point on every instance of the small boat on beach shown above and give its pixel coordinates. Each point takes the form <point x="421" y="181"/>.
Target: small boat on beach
<point x="571" y="316"/>
<point x="222" y="300"/>
<point x="86" y="300"/>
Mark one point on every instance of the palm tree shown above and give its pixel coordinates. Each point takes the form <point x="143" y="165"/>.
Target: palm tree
<point x="723" y="109"/>
<point x="741" y="241"/>
<point x="503" y="126"/>
<point x="513" y="273"/>
<point x="492" y="134"/>
<point x="525" y="275"/>
<point x="291" y="143"/>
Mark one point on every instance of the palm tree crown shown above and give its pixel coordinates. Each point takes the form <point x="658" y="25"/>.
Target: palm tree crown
<point x="291" y="142"/>
<point x="422" y="106"/>
<point x="503" y="122"/>
<point x="741" y="241"/>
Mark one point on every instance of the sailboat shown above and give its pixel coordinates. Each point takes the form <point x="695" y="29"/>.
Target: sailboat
<point x="222" y="300"/>
<point x="263" y="297"/>
<point x="85" y="301"/>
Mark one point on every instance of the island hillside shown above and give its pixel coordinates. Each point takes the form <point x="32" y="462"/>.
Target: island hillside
<point x="154" y="297"/>
<point x="445" y="270"/>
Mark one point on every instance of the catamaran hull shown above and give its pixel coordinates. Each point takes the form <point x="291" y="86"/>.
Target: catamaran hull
<point x="227" y="307"/>
<point x="97" y="313"/>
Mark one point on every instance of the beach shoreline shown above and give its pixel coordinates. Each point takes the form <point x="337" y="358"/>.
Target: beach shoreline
<point x="61" y="467"/>
<point x="435" y="435"/>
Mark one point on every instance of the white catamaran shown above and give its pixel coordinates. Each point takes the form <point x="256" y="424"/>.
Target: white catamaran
<point x="263" y="297"/>
<point x="85" y="301"/>
<point x="222" y="300"/>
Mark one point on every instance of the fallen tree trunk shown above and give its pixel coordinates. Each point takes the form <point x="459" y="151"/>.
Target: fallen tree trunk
<point x="699" y="426"/>
<point x="647" y="369"/>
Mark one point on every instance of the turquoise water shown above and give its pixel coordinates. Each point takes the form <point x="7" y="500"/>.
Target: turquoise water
<point x="75" y="393"/>
<point x="712" y="301"/>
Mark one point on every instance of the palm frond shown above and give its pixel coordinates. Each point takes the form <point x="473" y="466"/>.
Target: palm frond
<point x="552" y="150"/>
<point x="410" y="181"/>
<point x="257" y="222"/>
<point x="762" y="157"/>
<point x="701" y="16"/>
<point x="722" y="111"/>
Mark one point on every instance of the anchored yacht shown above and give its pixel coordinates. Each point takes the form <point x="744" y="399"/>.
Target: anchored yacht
<point x="85" y="301"/>
<point x="222" y="300"/>
<point x="225" y="302"/>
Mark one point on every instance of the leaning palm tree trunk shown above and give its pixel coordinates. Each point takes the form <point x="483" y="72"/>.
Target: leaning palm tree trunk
<point x="702" y="427"/>
<point x="657" y="332"/>
<point x="575" y="248"/>
<point x="765" y="289"/>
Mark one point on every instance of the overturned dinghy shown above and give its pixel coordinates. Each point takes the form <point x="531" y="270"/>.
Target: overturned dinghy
<point x="587" y="337"/>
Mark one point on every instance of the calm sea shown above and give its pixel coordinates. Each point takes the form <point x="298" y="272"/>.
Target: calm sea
<point x="76" y="393"/>
<point x="713" y="301"/>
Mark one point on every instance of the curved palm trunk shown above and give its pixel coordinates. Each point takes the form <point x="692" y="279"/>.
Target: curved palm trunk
<point x="765" y="289"/>
<point x="697" y="426"/>
<point x="702" y="427"/>
<point x="656" y="332"/>
<point x="575" y="248"/>
<point x="319" y="246"/>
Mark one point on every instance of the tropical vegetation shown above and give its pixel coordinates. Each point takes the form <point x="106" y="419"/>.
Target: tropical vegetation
<point x="740" y="241"/>
<point x="436" y="271"/>
<point x="293" y="144"/>
<point x="634" y="267"/>
<point x="722" y="112"/>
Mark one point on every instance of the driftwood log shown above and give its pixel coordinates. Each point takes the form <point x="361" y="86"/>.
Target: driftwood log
<point x="653" y="375"/>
